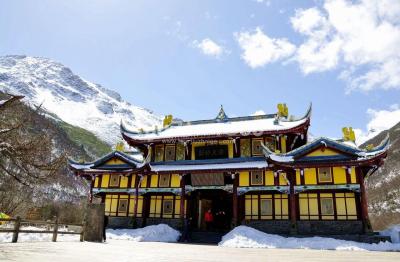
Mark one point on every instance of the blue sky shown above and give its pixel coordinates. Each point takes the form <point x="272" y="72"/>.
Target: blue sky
<point x="187" y="57"/>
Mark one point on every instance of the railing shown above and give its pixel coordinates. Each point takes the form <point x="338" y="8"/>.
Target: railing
<point x="55" y="224"/>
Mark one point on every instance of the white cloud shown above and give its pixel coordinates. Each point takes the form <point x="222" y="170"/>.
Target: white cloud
<point x="259" y="49"/>
<point x="258" y="113"/>
<point x="363" y="35"/>
<point x="380" y="120"/>
<point x="209" y="47"/>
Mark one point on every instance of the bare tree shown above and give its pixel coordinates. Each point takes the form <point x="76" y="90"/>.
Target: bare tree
<point x="26" y="152"/>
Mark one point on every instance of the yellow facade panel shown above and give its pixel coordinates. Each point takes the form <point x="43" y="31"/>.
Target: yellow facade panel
<point x="230" y="149"/>
<point x="339" y="175"/>
<point x="133" y="181"/>
<point x="278" y="207"/>
<point x="108" y="204"/>
<point x="353" y="175"/>
<point x="351" y="206"/>
<point x="140" y="207"/>
<point x="158" y="205"/>
<point x="340" y="206"/>
<point x="303" y="203"/>
<point x="177" y="206"/>
<point x="115" y="161"/>
<point x="247" y="207"/>
<point x="144" y="182"/>
<point x="285" y="207"/>
<point x="152" y="206"/>
<point x="310" y="176"/>
<point x="323" y="152"/>
<point x="313" y="206"/>
<point x="298" y="177"/>
<point x="283" y="144"/>
<point x="124" y="182"/>
<point x="282" y="179"/>
<point x="244" y="179"/>
<point x="269" y="178"/>
<point x="175" y="180"/>
<point x="154" y="181"/>
<point x="114" y="205"/>
<point x="96" y="182"/>
<point x="104" y="180"/>
<point x="254" y="206"/>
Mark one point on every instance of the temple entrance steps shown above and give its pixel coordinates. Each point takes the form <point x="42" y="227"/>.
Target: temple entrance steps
<point x="205" y="237"/>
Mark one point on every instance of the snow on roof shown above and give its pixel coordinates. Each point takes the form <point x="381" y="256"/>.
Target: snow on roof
<point x="128" y="158"/>
<point x="345" y="146"/>
<point x="217" y="166"/>
<point x="221" y="125"/>
<point x="216" y="127"/>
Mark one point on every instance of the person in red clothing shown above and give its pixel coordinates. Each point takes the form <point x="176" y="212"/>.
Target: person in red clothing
<point x="209" y="219"/>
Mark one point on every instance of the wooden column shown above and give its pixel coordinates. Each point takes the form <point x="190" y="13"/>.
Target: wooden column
<point x="363" y="202"/>
<point x="235" y="200"/>
<point x="291" y="176"/>
<point x="182" y="203"/>
<point x="137" y="184"/>
<point x="91" y="189"/>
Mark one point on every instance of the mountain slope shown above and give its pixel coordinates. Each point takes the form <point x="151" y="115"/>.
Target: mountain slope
<point x="72" y="99"/>
<point x="384" y="185"/>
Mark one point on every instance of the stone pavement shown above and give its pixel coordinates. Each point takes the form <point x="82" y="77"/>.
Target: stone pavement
<point x="119" y="250"/>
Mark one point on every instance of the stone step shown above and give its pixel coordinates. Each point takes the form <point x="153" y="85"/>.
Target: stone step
<point x="201" y="237"/>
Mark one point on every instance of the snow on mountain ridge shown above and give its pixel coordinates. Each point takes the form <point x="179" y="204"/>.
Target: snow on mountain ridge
<point x="73" y="99"/>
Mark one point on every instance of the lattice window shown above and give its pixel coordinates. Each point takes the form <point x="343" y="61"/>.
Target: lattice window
<point x="159" y="154"/>
<point x="327" y="207"/>
<point x="123" y="206"/>
<point x="180" y="151"/>
<point x="324" y="175"/>
<point x="266" y="207"/>
<point x="164" y="180"/>
<point x="256" y="147"/>
<point x="270" y="143"/>
<point x="170" y="153"/>
<point x="114" y="180"/>
<point x="257" y="178"/>
<point x="244" y="147"/>
<point x="168" y="207"/>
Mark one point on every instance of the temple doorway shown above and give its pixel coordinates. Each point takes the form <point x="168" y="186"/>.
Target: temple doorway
<point x="220" y="204"/>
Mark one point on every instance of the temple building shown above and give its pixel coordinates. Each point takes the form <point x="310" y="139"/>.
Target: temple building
<point x="261" y="171"/>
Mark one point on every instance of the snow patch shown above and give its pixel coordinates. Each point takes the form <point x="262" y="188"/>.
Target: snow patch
<point x="154" y="233"/>
<point x="247" y="237"/>
<point x="393" y="232"/>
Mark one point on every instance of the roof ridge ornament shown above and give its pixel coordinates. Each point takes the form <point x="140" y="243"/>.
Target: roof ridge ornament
<point x="221" y="114"/>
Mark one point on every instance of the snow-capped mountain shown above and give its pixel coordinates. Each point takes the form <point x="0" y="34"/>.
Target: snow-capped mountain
<point x="73" y="99"/>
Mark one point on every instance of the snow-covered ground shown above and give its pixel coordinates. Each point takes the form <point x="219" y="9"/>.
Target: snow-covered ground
<point x="156" y="233"/>
<point x="37" y="237"/>
<point x="247" y="237"/>
<point x="239" y="237"/>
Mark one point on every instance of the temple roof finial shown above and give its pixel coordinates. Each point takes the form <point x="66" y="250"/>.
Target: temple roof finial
<point x="221" y="114"/>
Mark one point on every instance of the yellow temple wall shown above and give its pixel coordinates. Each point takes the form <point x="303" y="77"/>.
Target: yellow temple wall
<point x="269" y="178"/>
